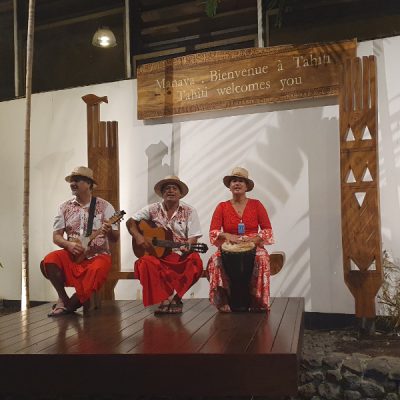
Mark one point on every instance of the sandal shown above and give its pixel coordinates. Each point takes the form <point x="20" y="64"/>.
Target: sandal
<point x="162" y="309"/>
<point x="176" y="299"/>
<point x="171" y="308"/>
<point x="224" y="308"/>
<point x="57" y="311"/>
<point x="175" y="308"/>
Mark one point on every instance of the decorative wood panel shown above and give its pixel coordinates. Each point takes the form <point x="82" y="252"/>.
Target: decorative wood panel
<point x="237" y="78"/>
<point x="102" y="142"/>
<point x="361" y="233"/>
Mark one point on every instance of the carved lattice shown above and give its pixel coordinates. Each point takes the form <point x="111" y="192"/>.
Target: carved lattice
<point x="361" y="233"/>
<point x="102" y="139"/>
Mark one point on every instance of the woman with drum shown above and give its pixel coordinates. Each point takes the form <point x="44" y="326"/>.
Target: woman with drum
<point x="239" y="270"/>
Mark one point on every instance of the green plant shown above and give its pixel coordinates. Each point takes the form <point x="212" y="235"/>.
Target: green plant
<point x="389" y="295"/>
<point x="211" y="7"/>
<point x="1" y="265"/>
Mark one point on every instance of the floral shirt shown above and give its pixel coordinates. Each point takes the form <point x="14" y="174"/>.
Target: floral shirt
<point x="184" y="223"/>
<point x="73" y="218"/>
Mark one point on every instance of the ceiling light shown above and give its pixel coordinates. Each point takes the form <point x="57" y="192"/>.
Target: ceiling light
<point x="104" y="37"/>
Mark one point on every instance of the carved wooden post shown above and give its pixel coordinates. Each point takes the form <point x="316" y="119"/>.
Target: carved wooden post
<point x="361" y="231"/>
<point x="102" y="139"/>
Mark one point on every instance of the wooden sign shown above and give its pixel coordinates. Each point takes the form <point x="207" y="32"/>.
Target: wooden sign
<point x="237" y="78"/>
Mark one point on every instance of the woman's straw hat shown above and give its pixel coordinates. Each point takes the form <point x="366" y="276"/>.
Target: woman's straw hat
<point x="174" y="180"/>
<point x="81" y="171"/>
<point x="239" y="172"/>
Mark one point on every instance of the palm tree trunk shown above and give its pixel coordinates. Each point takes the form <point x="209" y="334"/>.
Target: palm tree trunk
<point x="27" y="152"/>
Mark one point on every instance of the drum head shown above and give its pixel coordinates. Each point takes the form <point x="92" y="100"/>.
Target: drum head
<point x="237" y="247"/>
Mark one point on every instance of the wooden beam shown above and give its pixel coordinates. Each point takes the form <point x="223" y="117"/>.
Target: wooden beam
<point x="83" y="18"/>
<point x="151" y="56"/>
<point x="175" y="26"/>
<point x="277" y="261"/>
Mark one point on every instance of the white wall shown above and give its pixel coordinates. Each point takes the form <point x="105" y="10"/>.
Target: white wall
<point x="291" y="151"/>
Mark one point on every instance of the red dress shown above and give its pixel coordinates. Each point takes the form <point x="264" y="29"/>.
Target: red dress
<point x="256" y="220"/>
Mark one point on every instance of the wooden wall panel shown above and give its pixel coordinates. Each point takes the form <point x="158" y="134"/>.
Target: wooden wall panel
<point x="103" y="159"/>
<point x="361" y="233"/>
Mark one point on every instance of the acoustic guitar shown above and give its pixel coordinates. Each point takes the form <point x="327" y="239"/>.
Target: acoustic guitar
<point x="86" y="240"/>
<point x="161" y="241"/>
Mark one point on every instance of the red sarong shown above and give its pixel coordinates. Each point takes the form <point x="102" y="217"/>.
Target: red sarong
<point x="161" y="277"/>
<point x="86" y="277"/>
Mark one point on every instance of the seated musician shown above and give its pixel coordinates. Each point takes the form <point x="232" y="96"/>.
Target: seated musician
<point x="84" y="269"/>
<point x="165" y="280"/>
<point x="240" y="222"/>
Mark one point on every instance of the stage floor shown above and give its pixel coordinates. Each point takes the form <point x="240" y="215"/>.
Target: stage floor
<point x="123" y="348"/>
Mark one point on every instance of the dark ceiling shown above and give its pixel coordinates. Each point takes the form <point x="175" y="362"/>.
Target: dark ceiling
<point x="64" y="56"/>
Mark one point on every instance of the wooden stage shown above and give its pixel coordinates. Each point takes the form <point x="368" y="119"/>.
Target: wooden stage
<point x="123" y="349"/>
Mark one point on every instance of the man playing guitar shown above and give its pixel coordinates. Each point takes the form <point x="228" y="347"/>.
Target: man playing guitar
<point x="85" y="269"/>
<point x="167" y="278"/>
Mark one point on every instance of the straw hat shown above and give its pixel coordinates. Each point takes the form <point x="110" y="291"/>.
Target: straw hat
<point x="81" y="171"/>
<point x="239" y="172"/>
<point x="174" y="180"/>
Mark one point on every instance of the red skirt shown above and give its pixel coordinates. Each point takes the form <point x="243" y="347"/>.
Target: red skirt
<point x="161" y="277"/>
<point x="259" y="284"/>
<point x="86" y="277"/>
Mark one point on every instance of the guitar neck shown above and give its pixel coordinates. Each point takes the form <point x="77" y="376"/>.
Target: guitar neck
<point x="167" y="243"/>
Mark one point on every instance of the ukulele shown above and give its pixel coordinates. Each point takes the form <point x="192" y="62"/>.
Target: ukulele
<point x="161" y="241"/>
<point x="86" y="240"/>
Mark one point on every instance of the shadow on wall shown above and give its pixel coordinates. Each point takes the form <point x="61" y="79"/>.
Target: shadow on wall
<point x="288" y="153"/>
<point x="156" y="168"/>
<point x="389" y="151"/>
<point x="316" y="140"/>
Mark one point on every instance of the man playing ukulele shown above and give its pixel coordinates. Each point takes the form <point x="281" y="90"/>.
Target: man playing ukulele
<point x="165" y="280"/>
<point x="84" y="269"/>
